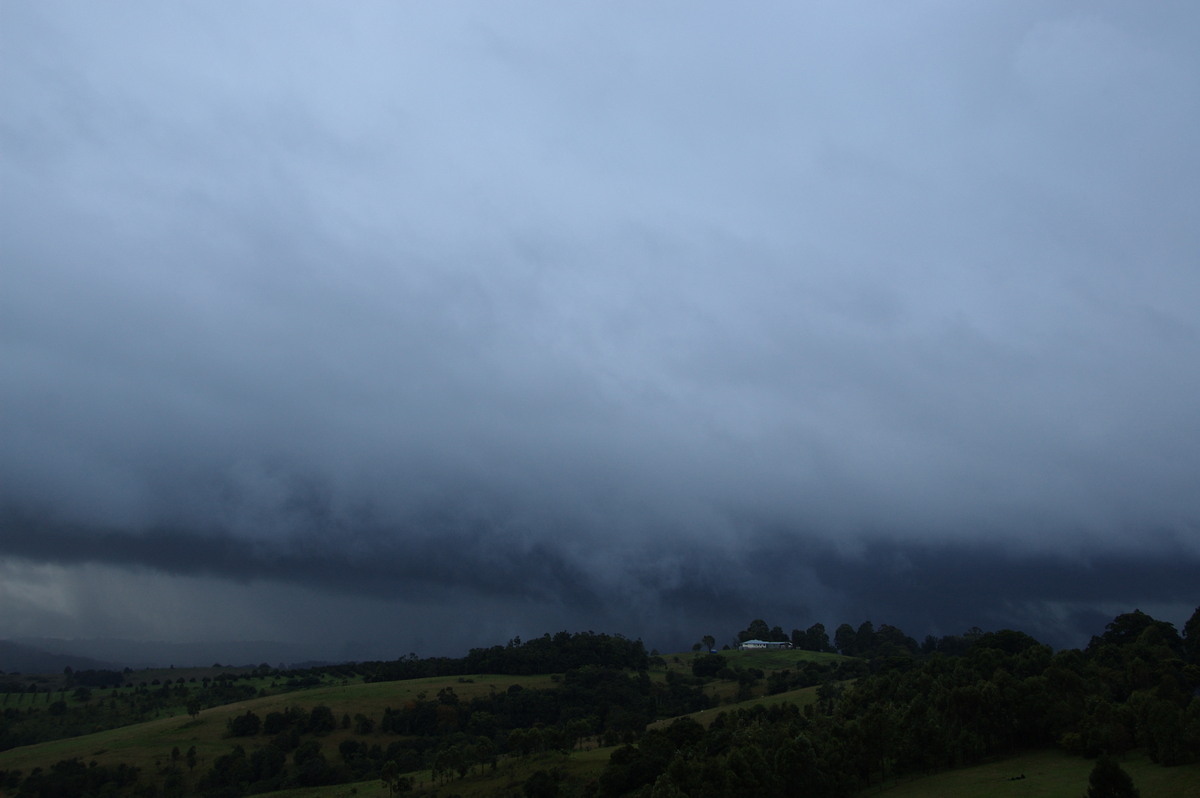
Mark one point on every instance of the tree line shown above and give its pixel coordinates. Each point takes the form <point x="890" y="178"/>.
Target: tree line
<point x="862" y="641"/>
<point x="900" y="708"/>
<point x="1136" y="685"/>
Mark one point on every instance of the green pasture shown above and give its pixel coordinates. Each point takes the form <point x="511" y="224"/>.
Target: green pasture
<point x="727" y="692"/>
<point x="142" y="680"/>
<point x="705" y="717"/>
<point x="507" y="780"/>
<point x="1048" y="774"/>
<point x="779" y="659"/>
<point x="766" y="660"/>
<point x="60" y="683"/>
<point x="148" y="745"/>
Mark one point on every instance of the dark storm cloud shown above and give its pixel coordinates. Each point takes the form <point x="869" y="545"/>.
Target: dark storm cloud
<point x="635" y="314"/>
<point x="948" y="589"/>
<point x="431" y="563"/>
<point x="791" y="581"/>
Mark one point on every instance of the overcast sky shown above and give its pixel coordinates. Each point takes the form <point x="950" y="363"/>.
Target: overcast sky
<point x="394" y="327"/>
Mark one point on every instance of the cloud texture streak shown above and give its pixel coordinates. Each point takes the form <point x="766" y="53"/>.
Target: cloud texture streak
<point x="581" y="309"/>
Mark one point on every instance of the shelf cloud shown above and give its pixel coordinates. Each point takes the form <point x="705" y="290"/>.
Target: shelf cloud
<point x="469" y="322"/>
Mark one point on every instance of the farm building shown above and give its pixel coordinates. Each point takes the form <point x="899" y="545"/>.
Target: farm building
<point x="765" y="644"/>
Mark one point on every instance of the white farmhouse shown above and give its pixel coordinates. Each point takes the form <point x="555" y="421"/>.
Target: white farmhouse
<point x="765" y="644"/>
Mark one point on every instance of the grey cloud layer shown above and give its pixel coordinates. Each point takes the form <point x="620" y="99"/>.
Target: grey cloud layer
<point x="600" y="297"/>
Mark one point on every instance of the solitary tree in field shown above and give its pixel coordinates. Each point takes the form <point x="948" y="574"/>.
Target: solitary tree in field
<point x="1109" y="780"/>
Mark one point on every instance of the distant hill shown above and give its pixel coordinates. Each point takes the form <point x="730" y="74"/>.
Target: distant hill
<point x="23" y="658"/>
<point x="139" y="654"/>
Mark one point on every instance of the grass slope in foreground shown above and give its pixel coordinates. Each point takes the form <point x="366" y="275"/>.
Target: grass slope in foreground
<point x="1047" y="774"/>
<point x="148" y="745"/>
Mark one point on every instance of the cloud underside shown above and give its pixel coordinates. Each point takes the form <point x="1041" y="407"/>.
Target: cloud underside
<point x="923" y="588"/>
<point x="605" y="315"/>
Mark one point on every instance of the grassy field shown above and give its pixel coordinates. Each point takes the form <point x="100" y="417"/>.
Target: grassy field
<point x="765" y="659"/>
<point x="149" y="744"/>
<point x="1048" y="774"/>
<point x="139" y="681"/>
<point x="508" y="779"/>
<point x="704" y="717"/>
<point x="582" y="765"/>
<point x="726" y="693"/>
<point x="60" y="683"/>
<point x="778" y="660"/>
